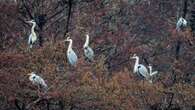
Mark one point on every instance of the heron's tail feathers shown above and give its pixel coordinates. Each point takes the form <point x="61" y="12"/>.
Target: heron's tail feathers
<point x="30" y="45"/>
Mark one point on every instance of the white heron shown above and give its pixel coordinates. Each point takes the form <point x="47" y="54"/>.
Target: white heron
<point x="71" y="55"/>
<point x="88" y="51"/>
<point x="32" y="37"/>
<point x="140" y="69"/>
<point x="181" y="23"/>
<point x="38" y="81"/>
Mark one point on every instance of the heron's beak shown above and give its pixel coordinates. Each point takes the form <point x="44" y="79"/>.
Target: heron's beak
<point x="29" y="74"/>
<point x="66" y="40"/>
<point x="132" y="57"/>
<point x="28" y="21"/>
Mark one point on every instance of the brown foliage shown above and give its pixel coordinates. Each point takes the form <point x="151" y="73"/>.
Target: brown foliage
<point x="117" y="30"/>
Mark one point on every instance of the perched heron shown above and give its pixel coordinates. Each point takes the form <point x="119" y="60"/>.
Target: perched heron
<point x="88" y="51"/>
<point x="32" y="37"/>
<point x="71" y="55"/>
<point x="140" y="69"/>
<point x="38" y="81"/>
<point x="181" y="23"/>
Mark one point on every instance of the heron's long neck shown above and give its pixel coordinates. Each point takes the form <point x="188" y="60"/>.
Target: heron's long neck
<point x="150" y="69"/>
<point x="33" y="28"/>
<point x="70" y="45"/>
<point x="87" y="41"/>
<point x="136" y="64"/>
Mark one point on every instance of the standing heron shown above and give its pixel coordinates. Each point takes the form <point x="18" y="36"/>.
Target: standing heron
<point x="71" y="55"/>
<point x="88" y="51"/>
<point x="32" y="37"/>
<point x="140" y="69"/>
<point x="38" y="81"/>
<point x="181" y="23"/>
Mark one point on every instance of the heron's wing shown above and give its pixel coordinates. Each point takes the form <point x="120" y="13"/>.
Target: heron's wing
<point x="41" y="82"/>
<point x="34" y="37"/>
<point x="72" y="57"/>
<point x="30" y="39"/>
<point x="178" y="25"/>
<point x="143" y="70"/>
<point x="89" y="53"/>
<point x="184" y="22"/>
